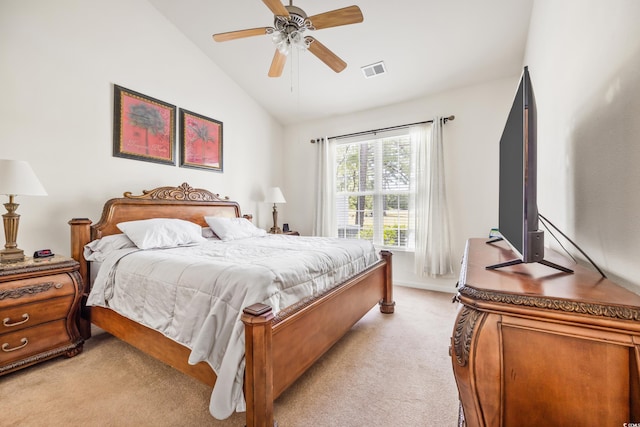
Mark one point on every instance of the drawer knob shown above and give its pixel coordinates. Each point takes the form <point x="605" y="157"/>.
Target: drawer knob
<point x="6" y="321"/>
<point x="6" y="349"/>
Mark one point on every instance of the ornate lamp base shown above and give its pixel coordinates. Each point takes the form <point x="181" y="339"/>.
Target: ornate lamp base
<point x="11" y="255"/>
<point x="275" y="229"/>
<point x="11" y="219"/>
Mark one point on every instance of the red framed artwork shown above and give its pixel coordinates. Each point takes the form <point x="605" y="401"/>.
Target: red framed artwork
<point x="201" y="142"/>
<point x="143" y="127"/>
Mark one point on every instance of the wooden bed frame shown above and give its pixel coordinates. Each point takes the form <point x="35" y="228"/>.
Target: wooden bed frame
<point x="279" y="347"/>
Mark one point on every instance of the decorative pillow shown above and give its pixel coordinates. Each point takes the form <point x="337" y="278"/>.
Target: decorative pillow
<point x="233" y="228"/>
<point x="100" y="248"/>
<point x="162" y="232"/>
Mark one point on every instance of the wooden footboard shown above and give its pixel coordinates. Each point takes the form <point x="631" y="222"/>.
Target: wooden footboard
<point x="279" y="347"/>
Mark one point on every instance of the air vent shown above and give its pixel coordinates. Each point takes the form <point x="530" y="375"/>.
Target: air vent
<point x="374" y="70"/>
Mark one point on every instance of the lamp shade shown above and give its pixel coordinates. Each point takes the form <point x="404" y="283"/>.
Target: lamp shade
<point x="17" y="178"/>
<point x="274" y="195"/>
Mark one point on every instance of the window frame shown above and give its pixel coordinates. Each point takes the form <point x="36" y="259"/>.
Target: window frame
<point x="379" y="193"/>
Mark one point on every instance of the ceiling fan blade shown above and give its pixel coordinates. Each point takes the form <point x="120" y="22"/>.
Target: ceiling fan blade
<point x="325" y="55"/>
<point x="277" y="65"/>
<point x="335" y="18"/>
<point x="233" y="35"/>
<point x="276" y="7"/>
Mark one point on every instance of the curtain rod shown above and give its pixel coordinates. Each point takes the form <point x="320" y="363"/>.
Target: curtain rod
<point x="444" y="120"/>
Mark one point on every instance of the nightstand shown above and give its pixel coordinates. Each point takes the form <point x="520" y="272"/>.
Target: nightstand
<point x="39" y="306"/>
<point x="291" y="233"/>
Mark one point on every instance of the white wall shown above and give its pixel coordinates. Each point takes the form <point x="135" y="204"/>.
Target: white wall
<point x="60" y="60"/>
<point x="584" y="57"/>
<point x="471" y="163"/>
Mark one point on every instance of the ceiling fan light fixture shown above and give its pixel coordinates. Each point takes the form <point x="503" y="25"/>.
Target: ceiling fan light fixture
<point x="289" y="30"/>
<point x="285" y="41"/>
<point x="280" y="41"/>
<point x="298" y="40"/>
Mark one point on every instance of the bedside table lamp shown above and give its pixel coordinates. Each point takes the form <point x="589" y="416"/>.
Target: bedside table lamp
<point x="16" y="178"/>
<point x="274" y="195"/>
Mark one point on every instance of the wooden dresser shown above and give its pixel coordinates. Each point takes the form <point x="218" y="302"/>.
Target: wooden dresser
<point x="533" y="346"/>
<point x="39" y="303"/>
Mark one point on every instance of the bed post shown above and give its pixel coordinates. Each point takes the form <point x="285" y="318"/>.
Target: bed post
<point x="80" y="236"/>
<point x="387" y="304"/>
<point x="258" y="376"/>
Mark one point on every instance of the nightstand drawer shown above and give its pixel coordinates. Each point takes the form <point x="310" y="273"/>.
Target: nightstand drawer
<point x="31" y="341"/>
<point x="35" y="289"/>
<point x="39" y="307"/>
<point x="27" y="315"/>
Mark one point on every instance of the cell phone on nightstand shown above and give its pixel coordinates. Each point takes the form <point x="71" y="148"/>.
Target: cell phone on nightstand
<point x="43" y="253"/>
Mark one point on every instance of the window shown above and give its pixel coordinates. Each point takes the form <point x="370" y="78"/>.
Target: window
<point x="374" y="191"/>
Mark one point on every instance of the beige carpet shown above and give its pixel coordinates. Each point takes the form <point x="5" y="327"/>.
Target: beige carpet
<point x="389" y="370"/>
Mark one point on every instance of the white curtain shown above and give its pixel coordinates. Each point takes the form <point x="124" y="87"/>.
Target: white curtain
<point x="433" y="246"/>
<point x="324" y="223"/>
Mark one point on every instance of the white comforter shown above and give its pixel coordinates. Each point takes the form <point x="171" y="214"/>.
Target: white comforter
<point x="195" y="295"/>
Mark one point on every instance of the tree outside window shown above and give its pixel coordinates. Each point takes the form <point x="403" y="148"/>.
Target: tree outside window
<point x="373" y="190"/>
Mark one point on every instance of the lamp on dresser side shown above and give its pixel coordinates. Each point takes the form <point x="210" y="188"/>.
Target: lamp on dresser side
<point x="16" y="178"/>
<point x="274" y="195"/>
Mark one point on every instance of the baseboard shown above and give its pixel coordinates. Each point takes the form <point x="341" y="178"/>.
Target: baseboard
<point x="449" y="288"/>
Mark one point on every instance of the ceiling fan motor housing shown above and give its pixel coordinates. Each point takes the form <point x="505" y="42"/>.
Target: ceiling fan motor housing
<point x="293" y="22"/>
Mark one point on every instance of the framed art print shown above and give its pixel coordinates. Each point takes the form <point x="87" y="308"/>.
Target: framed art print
<point x="200" y="142"/>
<point x="143" y="127"/>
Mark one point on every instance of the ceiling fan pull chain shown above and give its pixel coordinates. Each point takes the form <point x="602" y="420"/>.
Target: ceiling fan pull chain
<point x="291" y="72"/>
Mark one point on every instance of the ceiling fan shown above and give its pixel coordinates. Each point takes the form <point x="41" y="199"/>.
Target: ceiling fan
<point x="290" y="24"/>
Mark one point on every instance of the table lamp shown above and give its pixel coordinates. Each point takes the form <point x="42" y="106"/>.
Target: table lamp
<point x="274" y="195"/>
<point x="16" y="178"/>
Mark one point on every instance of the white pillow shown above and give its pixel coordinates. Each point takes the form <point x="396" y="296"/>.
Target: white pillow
<point x="162" y="232"/>
<point x="233" y="228"/>
<point x="100" y="248"/>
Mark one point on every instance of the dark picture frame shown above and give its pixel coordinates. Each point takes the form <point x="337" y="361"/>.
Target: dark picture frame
<point x="144" y="128"/>
<point x="200" y="141"/>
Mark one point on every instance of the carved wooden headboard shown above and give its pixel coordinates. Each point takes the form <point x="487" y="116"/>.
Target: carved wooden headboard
<point x="183" y="202"/>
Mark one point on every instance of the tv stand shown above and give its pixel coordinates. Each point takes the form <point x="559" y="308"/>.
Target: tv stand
<point x="519" y="261"/>
<point x="539" y="349"/>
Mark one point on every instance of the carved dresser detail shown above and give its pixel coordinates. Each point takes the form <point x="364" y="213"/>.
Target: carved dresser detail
<point x="39" y="303"/>
<point x="533" y="346"/>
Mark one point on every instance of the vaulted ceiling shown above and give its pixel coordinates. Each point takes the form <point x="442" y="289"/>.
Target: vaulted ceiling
<point x="428" y="46"/>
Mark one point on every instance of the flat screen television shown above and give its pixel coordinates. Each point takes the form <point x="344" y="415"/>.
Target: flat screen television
<point x="518" y="210"/>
